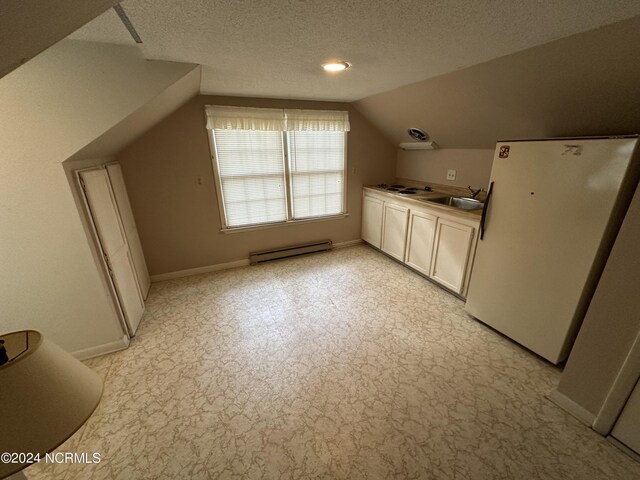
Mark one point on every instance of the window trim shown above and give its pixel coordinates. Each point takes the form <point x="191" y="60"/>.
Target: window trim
<point x="288" y="197"/>
<point x="265" y="226"/>
<point x="288" y="186"/>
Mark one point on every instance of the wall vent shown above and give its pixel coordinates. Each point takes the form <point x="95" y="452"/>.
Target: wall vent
<point x="293" y="251"/>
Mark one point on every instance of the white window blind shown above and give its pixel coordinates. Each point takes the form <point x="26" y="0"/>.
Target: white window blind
<point x="256" y="183"/>
<point x="252" y="178"/>
<point x="316" y="160"/>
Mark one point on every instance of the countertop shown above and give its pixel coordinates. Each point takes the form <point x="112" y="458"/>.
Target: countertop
<point x="415" y="199"/>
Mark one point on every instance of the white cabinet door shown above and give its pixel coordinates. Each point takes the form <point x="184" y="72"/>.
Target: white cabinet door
<point x="129" y="224"/>
<point x="627" y="427"/>
<point x="422" y="229"/>
<point x="450" y="253"/>
<point x="372" y="220"/>
<point x="394" y="230"/>
<point x="113" y="243"/>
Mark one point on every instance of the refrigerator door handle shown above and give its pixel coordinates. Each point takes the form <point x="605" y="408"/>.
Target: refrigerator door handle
<point x="483" y="218"/>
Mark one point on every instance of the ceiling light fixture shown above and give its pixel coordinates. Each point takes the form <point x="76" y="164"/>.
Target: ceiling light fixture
<point x="336" y="66"/>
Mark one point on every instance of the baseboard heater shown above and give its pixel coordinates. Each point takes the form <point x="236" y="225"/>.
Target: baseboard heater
<point x="293" y="251"/>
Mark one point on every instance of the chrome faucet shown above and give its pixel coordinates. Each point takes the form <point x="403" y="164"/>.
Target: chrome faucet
<point x="475" y="193"/>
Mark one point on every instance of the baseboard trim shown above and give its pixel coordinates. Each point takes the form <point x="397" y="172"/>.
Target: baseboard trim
<point x="225" y="266"/>
<point x="96" y="351"/>
<point x="571" y="407"/>
<point x="348" y="243"/>
<point x="617" y="443"/>
<point x="198" y="270"/>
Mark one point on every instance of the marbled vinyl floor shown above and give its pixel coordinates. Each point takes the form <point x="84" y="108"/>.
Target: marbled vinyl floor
<point x="340" y="365"/>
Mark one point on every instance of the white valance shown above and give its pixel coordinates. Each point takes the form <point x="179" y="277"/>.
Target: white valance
<point x="244" y="118"/>
<point x="221" y="117"/>
<point x="317" y="120"/>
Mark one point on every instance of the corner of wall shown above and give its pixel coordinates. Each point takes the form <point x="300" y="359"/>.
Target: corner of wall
<point x="611" y="324"/>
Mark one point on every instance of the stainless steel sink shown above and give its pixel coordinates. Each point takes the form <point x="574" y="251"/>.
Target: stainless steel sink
<point x="456" y="202"/>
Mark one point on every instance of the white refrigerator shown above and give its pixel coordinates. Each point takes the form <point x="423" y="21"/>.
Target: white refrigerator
<point x="551" y="215"/>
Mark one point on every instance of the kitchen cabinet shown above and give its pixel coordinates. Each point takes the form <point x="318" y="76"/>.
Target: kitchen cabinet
<point x="437" y="242"/>
<point x="451" y="253"/>
<point x="422" y="229"/>
<point x="372" y="220"/>
<point x="394" y="230"/>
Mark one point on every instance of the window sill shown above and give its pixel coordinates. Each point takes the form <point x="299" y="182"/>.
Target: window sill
<point x="265" y="226"/>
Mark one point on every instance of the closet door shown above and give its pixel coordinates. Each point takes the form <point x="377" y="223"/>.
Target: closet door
<point x="113" y="242"/>
<point x="129" y="224"/>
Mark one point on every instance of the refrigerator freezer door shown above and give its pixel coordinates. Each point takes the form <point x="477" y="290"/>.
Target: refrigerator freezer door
<point x="550" y="206"/>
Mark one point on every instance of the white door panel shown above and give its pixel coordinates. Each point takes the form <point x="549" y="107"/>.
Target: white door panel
<point x="394" y="230"/>
<point x="103" y="210"/>
<point x="422" y="229"/>
<point x="372" y="220"/>
<point x="129" y="224"/>
<point x="113" y="243"/>
<point x="127" y="287"/>
<point x="450" y="253"/>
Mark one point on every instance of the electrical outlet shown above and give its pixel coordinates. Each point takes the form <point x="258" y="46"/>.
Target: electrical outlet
<point x="451" y="174"/>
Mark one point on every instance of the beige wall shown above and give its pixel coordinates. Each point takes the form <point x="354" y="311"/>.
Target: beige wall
<point x="473" y="166"/>
<point x="611" y="324"/>
<point x="170" y="182"/>
<point x="586" y="84"/>
<point x="51" y="108"/>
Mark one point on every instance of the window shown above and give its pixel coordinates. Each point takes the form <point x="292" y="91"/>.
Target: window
<point x="251" y="174"/>
<point x="275" y="166"/>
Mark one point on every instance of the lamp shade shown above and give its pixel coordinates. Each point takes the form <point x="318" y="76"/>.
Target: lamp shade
<point x="45" y="396"/>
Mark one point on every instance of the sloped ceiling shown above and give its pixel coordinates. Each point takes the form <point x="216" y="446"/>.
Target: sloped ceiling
<point x="28" y="27"/>
<point x="143" y="119"/>
<point x="586" y="84"/>
<point x="275" y="49"/>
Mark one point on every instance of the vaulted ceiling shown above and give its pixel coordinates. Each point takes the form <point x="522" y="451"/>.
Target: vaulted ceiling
<point x="468" y="72"/>
<point x="584" y="85"/>
<point x="274" y="49"/>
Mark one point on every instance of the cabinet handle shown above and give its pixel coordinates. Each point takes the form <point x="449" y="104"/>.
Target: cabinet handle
<point x="483" y="218"/>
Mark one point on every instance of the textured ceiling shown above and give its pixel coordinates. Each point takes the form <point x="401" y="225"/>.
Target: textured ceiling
<point x="274" y="49"/>
<point x="28" y="27"/>
<point x="586" y="84"/>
